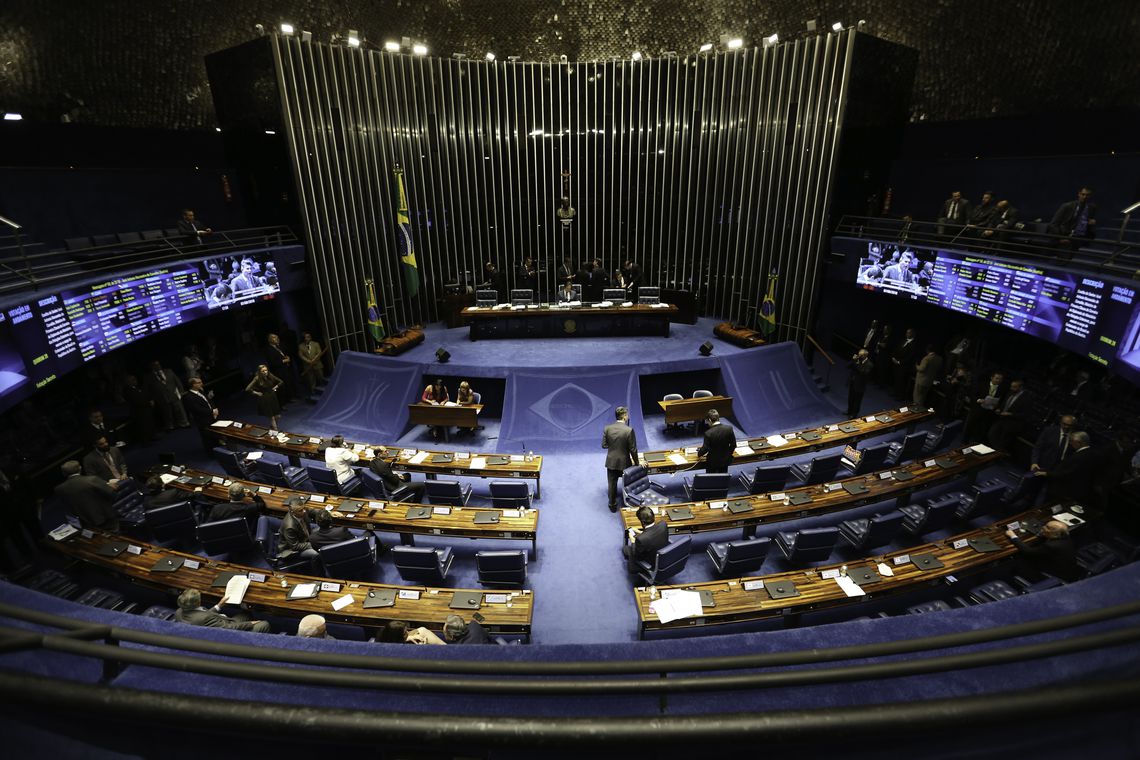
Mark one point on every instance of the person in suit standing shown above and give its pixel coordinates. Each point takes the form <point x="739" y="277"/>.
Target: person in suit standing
<point x="955" y="212"/>
<point x="312" y="368"/>
<point x="861" y="368"/>
<point x="190" y="611"/>
<point x="191" y="229"/>
<point x="720" y="440"/>
<point x="201" y="411"/>
<point x="983" y="411"/>
<point x="599" y="281"/>
<point x="1053" y="444"/>
<point x="1011" y="417"/>
<point x="88" y="498"/>
<point x="106" y="462"/>
<point x="142" y="410"/>
<point x="166" y="392"/>
<point x="645" y="543"/>
<point x="1073" y="478"/>
<point x="903" y="362"/>
<point x="95" y="428"/>
<point x="620" y="443"/>
<point x="327" y="533"/>
<point x="927" y="372"/>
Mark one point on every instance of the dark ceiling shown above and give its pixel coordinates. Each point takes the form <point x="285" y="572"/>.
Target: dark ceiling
<point x="139" y="63"/>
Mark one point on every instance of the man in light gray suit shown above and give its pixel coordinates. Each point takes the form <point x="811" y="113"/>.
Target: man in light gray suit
<point x="620" y="443"/>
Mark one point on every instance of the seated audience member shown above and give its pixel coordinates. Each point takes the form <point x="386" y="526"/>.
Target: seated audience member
<point x="393" y="481"/>
<point x="293" y="538"/>
<point x="313" y="627"/>
<point x="1001" y="222"/>
<point x="465" y="395"/>
<point x="397" y="632"/>
<point x="190" y="611"/>
<point x="1074" y="476"/>
<point x="159" y="495"/>
<point x="954" y="214"/>
<point x="243" y="503"/>
<point x="340" y="459"/>
<point x="1075" y="219"/>
<point x="981" y="214"/>
<point x="1012" y="416"/>
<point x="88" y="498"/>
<point x="645" y="543"/>
<point x="106" y="462"/>
<point x="455" y="631"/>
<point x="1054" y="555"/>
<point x="326" y="532"/>
<point x="1053" y="444"/>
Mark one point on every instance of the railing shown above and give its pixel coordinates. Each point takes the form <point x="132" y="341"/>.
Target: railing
<point x="1025" y="241"/>
<point x="54" y="267"/>
<point x="23" y="254"/>
<point x="576" y="679"/>
<point x="826" y="356"/>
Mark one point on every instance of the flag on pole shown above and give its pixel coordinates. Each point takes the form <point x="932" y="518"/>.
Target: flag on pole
<point x="404" y="237"/>
<point x="375" y="323"/>
<point x="768" y="307"/>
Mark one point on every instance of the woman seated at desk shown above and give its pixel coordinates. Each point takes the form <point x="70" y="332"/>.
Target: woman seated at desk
<point x="465" y="396"/>
<point x="436" y="395"/>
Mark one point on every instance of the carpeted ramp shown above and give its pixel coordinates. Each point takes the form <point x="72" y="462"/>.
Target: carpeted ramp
<point x="366" y="399"/>
<point x="772" y="389"/>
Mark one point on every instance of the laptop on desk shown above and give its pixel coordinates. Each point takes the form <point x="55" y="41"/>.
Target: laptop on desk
<point x="654" y="457"/>
<point x="381" y="597"/>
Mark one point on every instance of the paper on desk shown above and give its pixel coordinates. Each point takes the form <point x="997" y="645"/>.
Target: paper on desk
<point x="344" y="601"/>
<point x="222" y="423"/>
<point x="235" y="589"/>
<point x="418" y="458"/>
<point x="516" y="457"/>
<point x="742" y="451"/>
<point x="254" y="455"/>
<point x="512" y="513"/>
<point x="450" y="403"/>
<point x="675" y="604"/>
<point x="981" y="448"/>
<point x="885" y="570"/>
<point x="850" y="587"/>
<point x="777" y="440"/>
<point x="303" y="591"/>
<point x="167" y="478"/>
<point x="478" y="463"/>
<point x="678" y="459"/>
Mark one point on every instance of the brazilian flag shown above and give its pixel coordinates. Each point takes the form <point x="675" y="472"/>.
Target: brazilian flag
<point x="375" y="322"/>
<point x="768" y="308"/>
<point x="404" y="237"/>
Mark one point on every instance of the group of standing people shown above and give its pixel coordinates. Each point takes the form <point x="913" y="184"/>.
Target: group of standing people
<point x="276" y="382"/>
<point x="585" y="282"/>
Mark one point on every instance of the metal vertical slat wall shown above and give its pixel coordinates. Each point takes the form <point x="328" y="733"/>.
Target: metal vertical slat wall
<point x="708" y="171"/>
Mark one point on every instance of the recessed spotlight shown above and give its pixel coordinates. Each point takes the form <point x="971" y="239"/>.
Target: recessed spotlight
<point x="771" y="40"/>
<point x="306" y="36"/>
<point x="419" y="48"/>
<point x="636" y="55"/>
<point x="392" y="46"/>
<point x="490" y="56"/>
<point x="837" y="26"/>
<point x="536" y="133"/>
<point x="217" y="129"/>
<point x="353" y="38"/>
<point x="734" y="43"/>
<point x="13" y="117"/>
<point x="270" y="132"/>
<point x="706" y="47"/>
<point x="286" y="28"/>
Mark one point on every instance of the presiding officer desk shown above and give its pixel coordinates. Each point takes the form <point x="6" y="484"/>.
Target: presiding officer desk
<point x="445" y="415"/>
<point x="507" y="612"/>
<point x="554" y="321"/>
<point x="433" y="463"/>
<point x="770" y="447"/>
<point x="792" y="593"/>
<point x="369" y="514"/>
<point x="836" y="495"/>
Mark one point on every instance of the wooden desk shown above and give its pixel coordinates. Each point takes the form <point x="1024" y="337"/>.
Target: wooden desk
<point x="553" y="321"/>
<point x="695" y="409"/>
<point x="765" y="510"/>
<point x="268" y="596"/>
<point x="796" y="442"/>
<point x="297" y="446"/>
<point x="374" y="515"/>
<point x="735" y="604"/>
<point x="445" y="415"/>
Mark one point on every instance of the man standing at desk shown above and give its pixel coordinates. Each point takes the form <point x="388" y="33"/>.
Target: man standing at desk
<point x="720" y="440"/>
<point x="621" y="444"/>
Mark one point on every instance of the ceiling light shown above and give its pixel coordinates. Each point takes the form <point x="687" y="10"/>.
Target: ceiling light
<point x="490" y="56"/>
<point x="353" y="38"/>
<point x="536" y="133"/>
<point x="419" y="48"/>
<point x="286" y="28"/>
<point x="217" y="129"/>
<point x="706" y="47"/>
<point x="636" y="55"/>
<point x="392" y="46"/>
<point x="13" y="117"/>
<point x="771" y="40"/>
<point x="306" y="36"/>
<point x="837" y="26"/>
<point x="270" y="132"/>
<point x="734" y="43"/>
<point x="811" y="24"/>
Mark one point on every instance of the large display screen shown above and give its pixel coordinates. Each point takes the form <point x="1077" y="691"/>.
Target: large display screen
<point x="45" y="338"/>
<point x="1090" y="315"/>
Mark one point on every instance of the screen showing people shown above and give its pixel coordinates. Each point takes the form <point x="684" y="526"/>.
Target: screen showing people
<point x="239" y="279"/>
<point x="1094" y="316"/>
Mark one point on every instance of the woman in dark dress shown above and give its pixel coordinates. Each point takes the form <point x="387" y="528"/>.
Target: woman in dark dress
<point x="264" y="385"/>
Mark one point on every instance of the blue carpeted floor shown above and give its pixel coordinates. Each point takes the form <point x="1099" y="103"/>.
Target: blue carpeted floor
<point x="560" y="394"/>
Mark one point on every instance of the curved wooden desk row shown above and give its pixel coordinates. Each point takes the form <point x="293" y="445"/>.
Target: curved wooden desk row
<point x="790" y="504"/>
<point x="505" y="612"/>
<point x="466" y="464"/>
<point x="799" y="442"/>
<point x="757" y="598"/>
<point x="372" y="514"/>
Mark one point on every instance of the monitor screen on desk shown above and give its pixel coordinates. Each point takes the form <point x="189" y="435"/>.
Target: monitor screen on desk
<point x="613" y="294"/>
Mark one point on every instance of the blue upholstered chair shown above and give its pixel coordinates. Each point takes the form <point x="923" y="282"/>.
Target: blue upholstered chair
<point x="268" y="531"/>
<point x="510" y="494"/>
<point x="993" y="591"/>
<point x="230" y="536"/>
<point x="808" y="545"/>
<point x="502" y="568"/>
<point x="981" y="499"/>
<point x="737" y="557"/>
<point x="765" y="478"/>
<point x="352" y="558"/>
<point x="375" y="485"/>
<point x="934" y="515"/>
<point x="818" y="470"/>
<point x="639" y="489"/>
<point x="667" y="562"/>
<point x="943" y="437"/>
<point x="324" y="480"/>
<point x="907" y="449"/>
<point x="874" y="458"/>
<point x="872" y="532"/>
<point x="672" y="397"/>
<point x="172" y="522"/>
<point x="423" y="565"/>
<point x="936" y="605"/>
<point x="275" y="473"/>
<point x="707" y="485"/>
<point x="449" y="492"/>
<point x="234" y="463"/>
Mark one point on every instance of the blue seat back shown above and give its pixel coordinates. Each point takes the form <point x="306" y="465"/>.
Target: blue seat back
<point x="673" y="397"/>
<point x="374" y="484"/>
<point x="671" y="559"/>
<point x="911" y="447"/>
<point x="502" y="567"/>
<point x="939" y="514"/>
<point x="350" y="558"/>
<point x="814" y="544"/>
<point x="271" y="471"/>
<point x="873" y="458"/>
<point x="225" y="536"/>
<point x="710" y="485"/>
<point x="882" y="529"/>
<point x="703" y="394"/>
<point x="233" y="463"/>
<point x="444" y="492"/>
<point x="324" y="479"/>
<point x="746" y="555"/>
<point x="172" y="522"/>
<point x="822" y="468"/>
<point x="769" y="478"/>
<point x="635" y="479"/>
<point x="510" y="494"/>
<point x="419" y="564"/>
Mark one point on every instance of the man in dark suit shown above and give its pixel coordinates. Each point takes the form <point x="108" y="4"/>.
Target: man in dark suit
<point x="1012" y="416"/>
<point x="1074" y="476"/>
<point x="293" y="538"/>
<point x="599" y="281"/>
<point x="158" y="495"/>
<point x="191" y="229"/>
<point x="1075" y="219"/>
<point x="495" y="280"/>
<point x="142" y="410"/>
<point x="621" y="444"/>
<point x="720" y="440"/>
<point x="903" y="362"/>
<point x="326" y="532"/>
<point x="106" y="462"/>
<point x="397" y="487"/>
<point x="201" y="411"/>
<point x="94" y="428"/>
<point x="1053" y="444"/>
<point x="190" y="611"/>
<point x="981" y="214"/>
<point x="1054" y="554"/>
<point x="455" y="631"/>
<point x="861" y="368"/>
<point x="1001" y="223"/>
<point x="243" y="503"/>
<point x="955" y="211"/>
<point x="988" y="398"/>
<point x="87" y="497"/>
<point x="165" y="391"/>
<point x="645" y="543"/>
